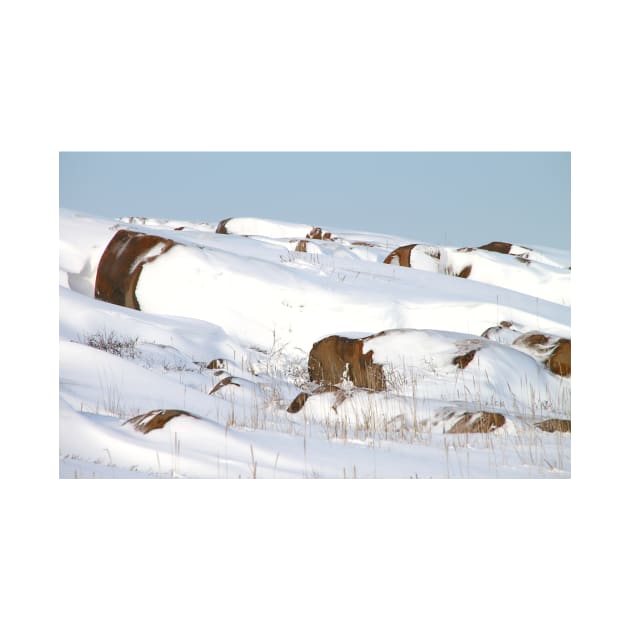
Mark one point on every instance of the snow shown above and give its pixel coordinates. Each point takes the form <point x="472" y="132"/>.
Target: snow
<point x="255" y="306"/>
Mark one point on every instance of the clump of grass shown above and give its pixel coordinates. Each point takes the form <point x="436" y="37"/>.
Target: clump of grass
<point x="112" y="342"/>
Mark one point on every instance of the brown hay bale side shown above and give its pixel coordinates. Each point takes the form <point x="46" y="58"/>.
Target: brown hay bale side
<point x="497" y="246"/>
<point x="480" y="422"/>
<point x="301" y="246"/>
<point x="298" y="402"/>
<point x="315" y="233"/>
<point x="401" y="254"/>
<point x="552" y="425"/>
<point x="560" y="360"/>
<point x="216" y="364"/>
<point x="465" y="272"/>
<point x="156" y="419"/>
<point x="222" y="226"/>
<point x="463" y="360"/>
<point x="121" y="263"/>
<point x="532" y="340"/>
<point x="555" y="351"/>
<point x="228" y="380"/>
<point x="329" y="357"/>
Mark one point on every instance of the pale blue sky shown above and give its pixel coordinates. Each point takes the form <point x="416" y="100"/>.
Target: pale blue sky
<point x="443" y="198"/>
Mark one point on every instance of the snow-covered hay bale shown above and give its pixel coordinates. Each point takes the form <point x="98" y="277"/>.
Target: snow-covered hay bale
<point x="247" y="226"/>
<point x="553" y="351"/>
<point x="400" y="256"/>
<point x="497" y="263"/>
<point x="554" y="424"/>
<point x="300" y="400"/>
<point x="222" y="226"/>
<point x="334" y="358"/>
<point x="156" y="419"/>
<point x="318" y="234"/>
<point x="479" y="422"/>
<point x="497" y="246"/>
<point x="503" y="333"/>
<point x="560" y="359"/>
<point x="121" y="264"/>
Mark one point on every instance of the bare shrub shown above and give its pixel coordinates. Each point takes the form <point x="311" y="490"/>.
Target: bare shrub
<point x="112" y="342"/>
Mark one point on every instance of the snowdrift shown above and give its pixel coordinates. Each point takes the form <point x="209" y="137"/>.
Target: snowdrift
<point x="256" y="348"/>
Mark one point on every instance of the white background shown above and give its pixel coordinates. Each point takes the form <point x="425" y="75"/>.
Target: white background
<point x="314" y="76"/>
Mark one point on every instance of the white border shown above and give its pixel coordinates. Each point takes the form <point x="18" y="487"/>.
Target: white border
<point x="315" y="76"/>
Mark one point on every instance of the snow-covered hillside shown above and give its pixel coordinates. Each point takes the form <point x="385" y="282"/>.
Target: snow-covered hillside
<point x="255" y="348"/>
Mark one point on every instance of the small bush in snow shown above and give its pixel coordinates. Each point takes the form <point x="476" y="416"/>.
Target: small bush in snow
<point x="125" y="347"/>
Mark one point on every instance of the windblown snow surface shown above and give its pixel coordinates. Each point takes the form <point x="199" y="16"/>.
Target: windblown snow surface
<point x="221" y="342"/>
